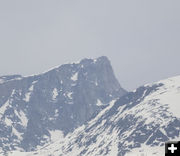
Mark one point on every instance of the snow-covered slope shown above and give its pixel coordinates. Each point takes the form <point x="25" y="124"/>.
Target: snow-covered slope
<point x="137" y="124"/>
<point x="34" y="109"/>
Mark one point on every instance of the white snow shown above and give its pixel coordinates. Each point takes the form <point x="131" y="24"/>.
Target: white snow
<point x="168" y="94"/>
<point x="55" y="94"/>
<point x="19" y="153"/>
<point x="146" y="150"/>
<point x="99" y="103"/>
<point x="22" y="116"/>
<point x="69" y="95"/>
<point x="8" y="122"/>
<point x="16" y="133"/>
<point x="113" y="147"/>
<point x="28" y="94"/>
<point x="34" y="82"/>
<point x="3" y="108"/>
<point x="31" y="88"/>
<point x="56" y="113"/>
<point x="56" y="135"/>
<point x="75" y="77"/>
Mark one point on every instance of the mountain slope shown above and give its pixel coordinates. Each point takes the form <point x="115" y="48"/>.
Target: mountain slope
<point x="137" y="124"/>
<point x="34" y="109"/>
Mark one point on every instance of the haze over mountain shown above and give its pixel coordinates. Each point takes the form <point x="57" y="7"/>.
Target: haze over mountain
<point x="34" y="109"/>
<point x="80" y="109"/>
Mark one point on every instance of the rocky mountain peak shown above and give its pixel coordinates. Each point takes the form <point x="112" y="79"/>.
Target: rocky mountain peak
<point x="61" y="99"/>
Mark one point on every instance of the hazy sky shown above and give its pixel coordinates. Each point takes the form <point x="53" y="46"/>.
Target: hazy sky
<point x="140" y="37"/>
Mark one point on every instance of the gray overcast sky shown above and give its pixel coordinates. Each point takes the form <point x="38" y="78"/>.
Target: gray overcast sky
<point x="140" y="37"/>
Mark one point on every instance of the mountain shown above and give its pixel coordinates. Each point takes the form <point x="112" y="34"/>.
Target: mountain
<point x="37" y="109"/>
<point x="137" y="124"/>
<point x="7" y="78"/>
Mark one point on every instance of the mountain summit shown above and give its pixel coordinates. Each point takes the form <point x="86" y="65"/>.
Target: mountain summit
<point x="34" y="108"/>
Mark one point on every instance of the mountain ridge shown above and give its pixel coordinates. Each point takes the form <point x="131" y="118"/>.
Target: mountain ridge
<point x="60" y="100"/>
<point x="139" y="123"/>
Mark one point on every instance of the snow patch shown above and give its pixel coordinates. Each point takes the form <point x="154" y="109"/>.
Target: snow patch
<point x="23" y="118"/>
<point x="13" y="92"/>
<point x="8" y="122"/>
<point x="56" y="135"/>
<point x="3" y="108"/>
<point x="75" y="77"/>
<point x="94" y="60"/>
<point x="56" y="113"/>
<point x="69" y="95"/>
<point x="99" y="103"/>
<point x="16" y="133"/>
<point x="168" y="95"/>
<point x="19" y="153"/>
<point x="146" y="150"/>
<point x="34" y="82"/>
<point x="21" y="115"/>
<point x="55" y="94"/>
<point x="28" y="94"/>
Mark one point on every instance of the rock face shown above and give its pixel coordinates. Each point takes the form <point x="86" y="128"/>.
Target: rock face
<point x="33" y="107"/>
<point x="139" y="123"/>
